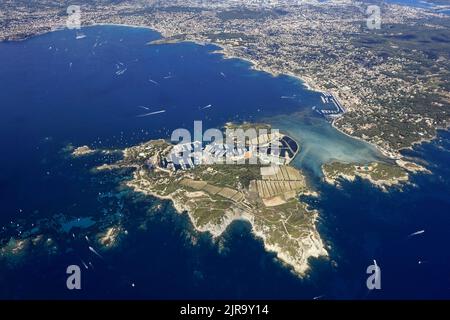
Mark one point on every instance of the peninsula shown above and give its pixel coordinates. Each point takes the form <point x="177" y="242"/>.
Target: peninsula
<point x="214" y="195"/>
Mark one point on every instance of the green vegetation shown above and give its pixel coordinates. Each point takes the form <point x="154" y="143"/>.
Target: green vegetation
<point x="376" y="172"/>
<point x="215" y="195"/>
<point x="224" y="175"/>
<point x="409" y="117"/>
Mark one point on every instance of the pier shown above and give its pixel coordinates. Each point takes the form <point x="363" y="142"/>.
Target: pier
<point x="327" y="99"/>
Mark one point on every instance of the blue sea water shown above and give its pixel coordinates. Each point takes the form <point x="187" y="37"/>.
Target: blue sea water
<point x="57" y="90"/>
<point x="420" y="4"/>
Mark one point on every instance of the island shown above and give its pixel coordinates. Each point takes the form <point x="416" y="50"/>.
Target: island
<point x="82" y="151"/>
<point x="215" y="193"/>
<point x="380" y="174"/>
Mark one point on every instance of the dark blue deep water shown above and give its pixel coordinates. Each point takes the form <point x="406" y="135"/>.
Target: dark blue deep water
<point x="56" y="90"/>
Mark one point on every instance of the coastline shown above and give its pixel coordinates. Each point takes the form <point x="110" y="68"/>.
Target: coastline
<point x="306" y="81"/>
<point x="383" y="185"/>
<point x="219" y="229"/>
<point x="386" y="153"/>
<point x="310" y="84"/>
<point x="315" y="249"/>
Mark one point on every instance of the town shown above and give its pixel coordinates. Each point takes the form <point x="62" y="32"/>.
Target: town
<point x="266" y="148"/>
<point x="385" y="79"/>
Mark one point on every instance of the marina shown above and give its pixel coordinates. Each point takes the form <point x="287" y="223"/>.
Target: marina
<point x="260" y="150"/>
<point x="331" y="108"/>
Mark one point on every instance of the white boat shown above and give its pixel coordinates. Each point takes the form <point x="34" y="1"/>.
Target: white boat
<point x="417" y="233"/>
<point x="151" y="113"/>
<point x="121" y="72"/>
<point x="80" y="36"/>
<point x="95" y="252"/>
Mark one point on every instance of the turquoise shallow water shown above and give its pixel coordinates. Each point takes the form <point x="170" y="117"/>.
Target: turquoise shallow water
<point x="321" y="143"/>
<point x="58" y="90"/>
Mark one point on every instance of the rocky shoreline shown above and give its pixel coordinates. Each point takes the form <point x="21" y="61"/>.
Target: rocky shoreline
<point x="313" y="248"/>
